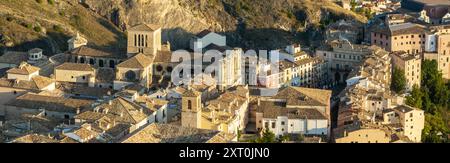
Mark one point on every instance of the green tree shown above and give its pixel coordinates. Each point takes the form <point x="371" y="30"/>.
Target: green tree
<point x="368" y="13"/>
<point x="284" y="138"/>
<point x="434" y="98"/>
<point x="353" y="5"/>
<point x="415" y="98"/>
<point x="267" y="137"/>
<point x="398" y="83"/>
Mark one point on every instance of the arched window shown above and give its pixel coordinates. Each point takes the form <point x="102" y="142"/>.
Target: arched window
<point x="189" y="104"/>
<point x="91" y="61"/>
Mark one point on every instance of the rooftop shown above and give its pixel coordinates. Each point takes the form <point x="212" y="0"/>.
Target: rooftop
<point x="271" y="109"/>
<point x="34" y="138"/>
<point x="57" y="104"/>
<point x="124" y="111"/>
<point x="36" y="83"/>
<point x="138" y="61"/>
<point x="304" y="96"/>
<point x="91" y="52"/>
<point x="23" y="69"/>
<point x="145" y="27"/>
<point x="404" y="108"/>
<point x="75" y="67"/>
<point x="404" y="56"/>
<point x="166" y="133"/>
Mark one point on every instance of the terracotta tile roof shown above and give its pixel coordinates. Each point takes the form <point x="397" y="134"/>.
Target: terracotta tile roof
<point x="36" y="83"/>
<point x="163" y="56"/>
<point x="84" y="90"/>
<point x="124" y="111"/>
<point x="89" y="116"/>
<point x="400" y="29"/>
<point x="191" y="93"/>
<point x="304" y="96"/>
<point x="404" y="108"/>
<point x="23" y="69"/>
<point x="166" y="133"/>
<point x="68" y="140"/>
<point x="34" y="138"/>
<point x="271" y="109"/>
<point x="75" y="67"/>
<point x="91" y="52"/>
<point x="85" y="133"/>
<point x="41" y="82"/>
<point x="57" y="104"/>
<point x="138" y="61"/>
<point x="145" y="27"/>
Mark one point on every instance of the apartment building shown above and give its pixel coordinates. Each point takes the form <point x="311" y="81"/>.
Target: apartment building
<point x="411" y="64"/>
<point x="408" y="37"/>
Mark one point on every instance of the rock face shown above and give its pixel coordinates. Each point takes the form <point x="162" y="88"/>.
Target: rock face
<point x="255" y="24"/>
<point x="247" y="23"/>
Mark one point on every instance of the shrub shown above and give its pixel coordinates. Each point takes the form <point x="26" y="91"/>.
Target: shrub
<point x="58" y="28"/>
<point x="51" y="2"/>
<point x="37" y="29"/>
<point x="39" y="1"/>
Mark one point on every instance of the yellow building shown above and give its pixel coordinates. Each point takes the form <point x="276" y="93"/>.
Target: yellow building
<point x="191" y="110"/>
<point x="227" y="113"/>
<point x="75" y="73"/>
<point x="412" y="120"/>
<point x="409" y="63"/>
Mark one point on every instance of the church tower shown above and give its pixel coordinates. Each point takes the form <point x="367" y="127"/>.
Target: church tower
<point x="144" y="38"/>
<point x="191" y="109"/>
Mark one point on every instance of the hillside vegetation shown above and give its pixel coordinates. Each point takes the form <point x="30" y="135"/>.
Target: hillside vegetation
<point x="47" y="24"/>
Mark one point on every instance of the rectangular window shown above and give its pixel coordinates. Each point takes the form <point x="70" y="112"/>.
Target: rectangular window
<point x="273" y="124"/>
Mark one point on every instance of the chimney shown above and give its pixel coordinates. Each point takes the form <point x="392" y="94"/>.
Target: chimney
<point x="110" y="102"/>
<point x="259" y="101"/>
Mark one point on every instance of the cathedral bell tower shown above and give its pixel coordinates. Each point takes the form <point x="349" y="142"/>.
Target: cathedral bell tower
<point x="191" y="109"/>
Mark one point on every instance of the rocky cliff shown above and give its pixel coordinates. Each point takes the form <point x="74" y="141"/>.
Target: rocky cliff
<point x="246" y="23"/>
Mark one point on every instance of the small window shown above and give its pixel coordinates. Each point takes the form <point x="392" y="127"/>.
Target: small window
<point x="282" y="122"/>
<point x="273" y="124"/>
